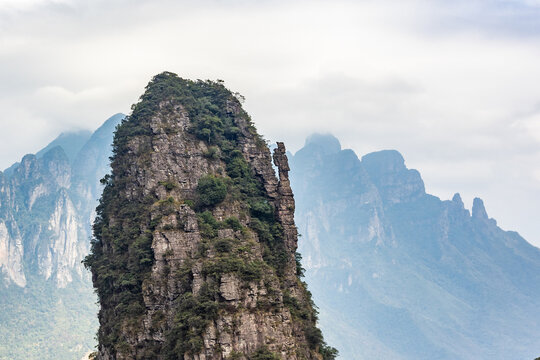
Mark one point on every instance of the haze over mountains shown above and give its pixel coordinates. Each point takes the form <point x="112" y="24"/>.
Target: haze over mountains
<point x="397" y="273"/>
<point x="47" y="202"/>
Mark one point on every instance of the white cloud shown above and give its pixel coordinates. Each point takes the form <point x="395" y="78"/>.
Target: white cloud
<point x="530" y="125"/>
<point x="452" y="85"/>
<point x="26" y="5"/>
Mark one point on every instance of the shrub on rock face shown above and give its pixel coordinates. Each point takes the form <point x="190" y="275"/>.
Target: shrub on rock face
<point x="233" y="223"/>
<point x="238" y="168"/>
<point x="223" y="246"/>
<point x="264" y="354"/>
<point x="209" y="128"/>
<point x="212" y="190"/>
<point x="262" y="209"/>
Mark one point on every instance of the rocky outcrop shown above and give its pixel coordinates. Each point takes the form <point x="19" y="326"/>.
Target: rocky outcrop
<point x="195" y="245"/>
<point x="478" y="210"/>
<point x="43" y="221"/>
<point x="11" y="254"/>
<point x="394" y="181"/>
<point x="62" y="253"/>
<point x="285" y="210"/>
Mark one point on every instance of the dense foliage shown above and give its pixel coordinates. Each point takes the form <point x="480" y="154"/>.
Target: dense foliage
<point x="36" y="325"/>
<point x="212" y="190"/>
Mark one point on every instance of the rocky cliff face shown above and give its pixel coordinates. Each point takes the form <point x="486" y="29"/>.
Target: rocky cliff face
<point x="400" y="274"/>
<point x="11" y="253"/>
<point x="195" y="247"/>
<point x="42" y="229"/>
<point x="46" y="206"/>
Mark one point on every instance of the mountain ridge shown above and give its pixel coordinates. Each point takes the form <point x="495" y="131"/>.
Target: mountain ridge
<point x="412" y="271"/>
<point x="46" y="208"/>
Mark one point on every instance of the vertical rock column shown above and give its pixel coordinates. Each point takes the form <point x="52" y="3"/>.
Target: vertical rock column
<point x="285" y="207"/>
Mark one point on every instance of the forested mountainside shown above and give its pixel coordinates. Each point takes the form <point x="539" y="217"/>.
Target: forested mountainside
<point x="194" y="255"/>
<point x="401" y="274"/>
<point x="47" y="205"/>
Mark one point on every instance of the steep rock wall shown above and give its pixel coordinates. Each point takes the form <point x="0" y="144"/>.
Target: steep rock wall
<point x="195" y="250"/>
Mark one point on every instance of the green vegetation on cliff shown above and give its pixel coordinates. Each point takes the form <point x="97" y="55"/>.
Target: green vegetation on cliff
<point x="122" y="256"/>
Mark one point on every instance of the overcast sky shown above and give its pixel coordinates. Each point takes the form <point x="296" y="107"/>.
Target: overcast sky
<point x="453" y="85"/>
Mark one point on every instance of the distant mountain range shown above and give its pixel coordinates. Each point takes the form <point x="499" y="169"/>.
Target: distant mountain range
<point x="47" y="204"/>
<point x="401" y="274"/>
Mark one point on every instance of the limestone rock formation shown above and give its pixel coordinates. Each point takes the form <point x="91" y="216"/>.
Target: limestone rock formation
<point x="194" y="254"/>
<point x="11" y="253"/>
<point x="47" y="205"/>
<point x="41" y="220"/>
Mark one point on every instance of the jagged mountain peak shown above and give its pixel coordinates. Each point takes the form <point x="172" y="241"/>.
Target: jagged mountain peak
<point x="325" y="143"/>
<point x="56" y="153"/>
<point x="27" y="168"/>
<point x="479" y="210"/>
<point x="28" y="159"/>
<point x="384" y="162"/>
<point x="457" y="200"/>
<point x="92" y="161"/>
<point x="394" y="181"/>
<point x="71" y="142"/>
<point x="109" y="126"/>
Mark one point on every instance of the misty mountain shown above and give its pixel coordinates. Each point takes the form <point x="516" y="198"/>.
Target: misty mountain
<point x="47" y="204"/>
<point x="70" y="143"/>
<point x="400" y="274"/>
